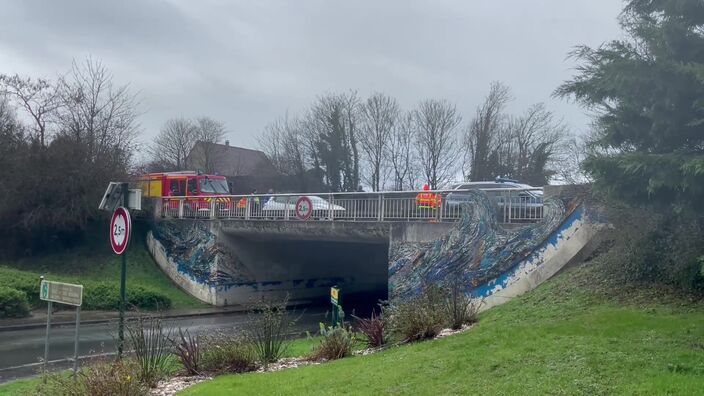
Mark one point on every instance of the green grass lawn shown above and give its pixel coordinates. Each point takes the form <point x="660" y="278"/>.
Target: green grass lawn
<point x="95" y="261"/>
<point x="298" y="347"/>
<point x="564" y="338"/>
<point x="19" y="387"/>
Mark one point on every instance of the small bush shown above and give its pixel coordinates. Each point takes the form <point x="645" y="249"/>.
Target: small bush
<point x="459" y="308"/>
<point x="419" y="317"/>
<point x="96" y="295"/>
<point x="337" y="343"/>
<point x="106" y="296"/>
<point x="268" y="328"/>
<point x="225" y="353"/>
<point x="373" y="329"/>
<point x="652" y="247"/>
<point x="188" y="350"/>
<point x="105" y="378"/>
<point x="13" y="303"/>
<point x="152" y="349"/>
<point x="22" y="281"/>
<point x="145" y="298"/>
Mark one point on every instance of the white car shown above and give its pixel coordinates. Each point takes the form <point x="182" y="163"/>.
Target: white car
<point x="277" y="206"/>
<point x="525" y="202"/>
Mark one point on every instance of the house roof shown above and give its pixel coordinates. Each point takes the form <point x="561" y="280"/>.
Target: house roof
<point x="234" y="161"/>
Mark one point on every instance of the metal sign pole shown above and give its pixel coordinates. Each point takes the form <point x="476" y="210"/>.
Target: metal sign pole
<point x="121" y="327"/>
<point x="75" y="348"/>
<point x="123" y="276"/>
<point x="46" y="339"/>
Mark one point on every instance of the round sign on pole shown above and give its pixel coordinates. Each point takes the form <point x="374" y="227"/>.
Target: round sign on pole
<point x="304" y="208"/>
<point x="120" y="229"/>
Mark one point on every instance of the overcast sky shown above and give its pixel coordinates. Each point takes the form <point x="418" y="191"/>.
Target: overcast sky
<point x="248" y="62"/>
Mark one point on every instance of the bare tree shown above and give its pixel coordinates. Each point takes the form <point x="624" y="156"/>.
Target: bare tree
<point x="94" y="142"/>
<point x="483" y="136"/>
<point x="569" y="158"/>
<point x="538" y="138"/>
<point x="96" y="111"/>
<point x="283" y="143"/>
<point x="436" y="123"/>
<point x="379" y="114"/>
<point x="208" y="133"/>
<point x="38" y="97"/>
<point x="174" y="142"/>
<point x="525" y="147"/>
<point x="401" y="151"/>
<point x="272" y="143"/>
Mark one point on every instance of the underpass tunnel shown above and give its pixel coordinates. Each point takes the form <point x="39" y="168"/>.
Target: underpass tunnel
<point x="306" y="269"/>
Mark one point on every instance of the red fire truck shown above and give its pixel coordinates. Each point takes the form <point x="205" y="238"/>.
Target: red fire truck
<point x="197" y="190"/>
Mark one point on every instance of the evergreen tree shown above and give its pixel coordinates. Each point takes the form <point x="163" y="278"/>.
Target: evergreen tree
<point x="648" y="94"/>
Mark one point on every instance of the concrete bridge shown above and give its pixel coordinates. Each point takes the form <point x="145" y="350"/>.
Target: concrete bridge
<point x="225" y="250"/>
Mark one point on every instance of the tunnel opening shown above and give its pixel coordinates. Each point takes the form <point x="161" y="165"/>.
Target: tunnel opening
<point x="306" y="269"/>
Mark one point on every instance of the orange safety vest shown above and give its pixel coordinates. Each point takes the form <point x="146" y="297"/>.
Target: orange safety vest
<point x="426" y="200"/>
<point x="242" y="203"/>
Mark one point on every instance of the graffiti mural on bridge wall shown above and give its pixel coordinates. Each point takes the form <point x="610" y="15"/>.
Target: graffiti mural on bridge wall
<point x="477" y="252"/>
<point x="192" y="247"/>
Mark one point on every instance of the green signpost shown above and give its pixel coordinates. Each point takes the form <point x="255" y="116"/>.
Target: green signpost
<point x="338" y="315"/>
<point x="61" y="293"/>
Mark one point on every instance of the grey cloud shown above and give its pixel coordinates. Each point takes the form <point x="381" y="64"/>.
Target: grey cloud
<point x="248" y="62"/>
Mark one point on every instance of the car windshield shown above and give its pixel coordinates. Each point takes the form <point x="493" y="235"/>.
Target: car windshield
<point x="285" y="199"/>
<point x="213" y="186"/>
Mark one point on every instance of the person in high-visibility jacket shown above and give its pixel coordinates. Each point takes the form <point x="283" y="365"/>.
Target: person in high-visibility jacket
<point x="428" y="200"/>
<point x="242" y="203"/>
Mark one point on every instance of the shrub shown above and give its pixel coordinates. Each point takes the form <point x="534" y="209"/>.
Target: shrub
<point x="188" y="351"/>
<point x="150" y="341"/>
<point x="337" y="343"/>
<point x="653" y="247"/>
<point x="373" y="329"/>
<point x="459" y="307"/>
<point x="145" y="298"/>
<point x="13" y="303"/>
<point x="96" y="295"/>
<point x="268" y="328"/>
<point x="106" y="296"/>
<point x="225" y="353"/>
<point x="104" y="378"/>
<point x="22" y="281"/>
<point x="418" y="317"/>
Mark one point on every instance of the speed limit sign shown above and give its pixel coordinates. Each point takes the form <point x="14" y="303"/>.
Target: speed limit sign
<point x="120" y="230"/>
<point x="304" y="208"/>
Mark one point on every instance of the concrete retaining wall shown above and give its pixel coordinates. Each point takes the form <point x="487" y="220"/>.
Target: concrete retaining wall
<point x="564" y="245"/>
<point x="201" y="291"/>
<point x="490" y="262"/>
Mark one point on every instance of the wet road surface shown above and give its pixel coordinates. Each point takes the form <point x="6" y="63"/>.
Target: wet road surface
<point x="21" y="351"/>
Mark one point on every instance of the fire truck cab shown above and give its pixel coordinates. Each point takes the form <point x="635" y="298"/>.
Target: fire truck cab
<point x="196" y="189"/>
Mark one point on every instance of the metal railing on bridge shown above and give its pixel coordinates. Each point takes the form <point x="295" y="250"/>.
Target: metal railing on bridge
<point x="511" y="205"/>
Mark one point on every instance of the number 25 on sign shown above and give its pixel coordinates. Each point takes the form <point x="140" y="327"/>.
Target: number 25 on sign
<point x="120" y="229"/>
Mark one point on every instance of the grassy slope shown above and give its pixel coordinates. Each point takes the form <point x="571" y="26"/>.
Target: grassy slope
<point x="564" y="338"/>
<point x="28" y="386"/>
<point x="94" y="261"/>
<point x="19" y="387"/>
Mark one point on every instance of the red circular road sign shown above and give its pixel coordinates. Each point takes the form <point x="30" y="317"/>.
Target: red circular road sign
<point x="304" y="208"/>
<point x="120" y="229"/>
